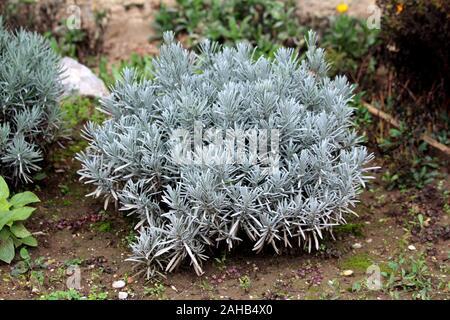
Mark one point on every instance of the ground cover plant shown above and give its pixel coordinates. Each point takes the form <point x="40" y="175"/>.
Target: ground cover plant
<point x="308" y="184"/>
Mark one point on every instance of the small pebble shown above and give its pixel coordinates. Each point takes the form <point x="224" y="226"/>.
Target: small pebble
<point x="412" y="248"/>
<point x="118" y="284"/>
<point x="123" y="295"/>
<point x="347" y="273"/>
<point x="357" y="246"/>
<point x="369" y="240"/>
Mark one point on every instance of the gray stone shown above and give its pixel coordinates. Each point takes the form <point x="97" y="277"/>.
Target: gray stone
<point x="80" y="80"/>
<point x="347" y="273"/>
<point x="123" y="295"/>
<point x="118" y="284"/>
<point x="357" y="246"/>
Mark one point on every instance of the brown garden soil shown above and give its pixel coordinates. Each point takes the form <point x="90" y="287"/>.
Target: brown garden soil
<point x="73" y="229"/>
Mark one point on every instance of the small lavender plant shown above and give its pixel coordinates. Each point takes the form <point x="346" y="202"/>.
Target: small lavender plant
<point x="30" y="117"/>
<point x="289" y="195"/>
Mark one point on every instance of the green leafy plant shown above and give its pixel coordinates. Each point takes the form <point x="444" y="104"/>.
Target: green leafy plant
<point x="70" y="294"/>
<point x="349" y="42"/>
<point x="220" y="262"/>
<point x="245" y="283"/>
<point x="158" y="291"/>
<point x="27" y="263"/>
<point x="110" y="74"/>
<point x="265" y="24"/>
<point x="77" y="111"/>
<point x="68" y="43"/>
<point x="414" y="172"/>
<point x="13" y="211"/>
<point x="96" y="294"/>
<point x="409" y="275"/>
<point x="410" y="166"/>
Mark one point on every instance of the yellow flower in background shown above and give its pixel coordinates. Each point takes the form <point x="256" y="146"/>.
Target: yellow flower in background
<point x="399" y="8"/>
<point x="342" y="7"/>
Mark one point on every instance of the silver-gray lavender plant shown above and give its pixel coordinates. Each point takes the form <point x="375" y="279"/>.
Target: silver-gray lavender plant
<point x="30" y="117"/>
<point x="186" y="208"/>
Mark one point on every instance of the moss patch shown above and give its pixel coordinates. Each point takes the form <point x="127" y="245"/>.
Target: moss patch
<point x="355" y="229"/>
<point x="358" y="262"/>
<point x="79" y="110"/>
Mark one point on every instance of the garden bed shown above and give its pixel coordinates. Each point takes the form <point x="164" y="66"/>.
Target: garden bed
<point x="402" y="230"/>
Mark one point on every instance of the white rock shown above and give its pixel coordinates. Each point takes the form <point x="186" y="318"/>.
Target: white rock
<point x="412" y="248"/>
<point x="79" y="79"/>
<point x="369" y="240"/>
<point x="357" y="246"/>
<point x="123" y="295"/>
<point x="347" y="273"/>
<point x="118" y="284"/>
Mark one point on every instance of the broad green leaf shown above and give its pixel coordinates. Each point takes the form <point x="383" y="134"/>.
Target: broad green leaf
<point x="17" y="242"/>
<point x="4" y="234"/>
<point x="21" y="199"/>
<point x="9" y="217"/>
<point x="24" y="254"/>
<point x="4" y="190"/>
<point x="4" y="205"/>
<point x="30" y="241"/>
<point x="19" y="230"/>
<point x="7" y="250"/>
<point x="21" y="214"/>
<point x="5" y="216"/>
